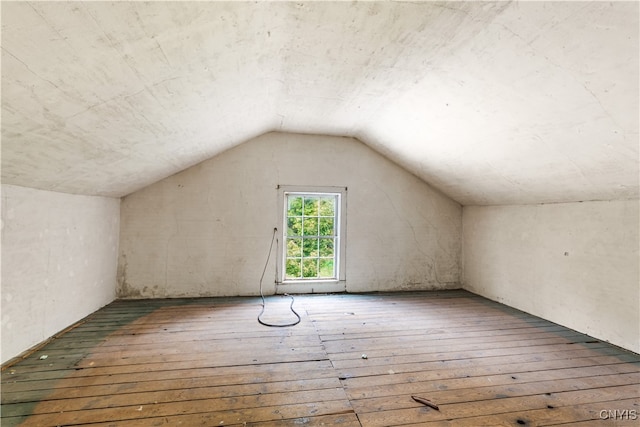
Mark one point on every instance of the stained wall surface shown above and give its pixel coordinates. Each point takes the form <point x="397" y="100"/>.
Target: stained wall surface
<point x="575" y="264"/>
<point x="207" y="230"/>
<point x="59" y="262"/>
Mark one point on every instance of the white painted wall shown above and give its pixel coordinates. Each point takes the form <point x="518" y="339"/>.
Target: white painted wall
<point x="575" y="264"/>
<point x="59" y="257"/>
<point x="206" y="231"/>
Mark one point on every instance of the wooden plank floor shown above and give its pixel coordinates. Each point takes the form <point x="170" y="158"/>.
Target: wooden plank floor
<point x="354" y="360"/>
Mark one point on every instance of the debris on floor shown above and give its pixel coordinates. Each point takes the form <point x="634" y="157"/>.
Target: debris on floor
<point x="426" y="402"/>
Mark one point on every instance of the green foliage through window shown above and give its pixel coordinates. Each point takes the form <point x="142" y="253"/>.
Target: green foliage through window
<point x="311" y="236"/>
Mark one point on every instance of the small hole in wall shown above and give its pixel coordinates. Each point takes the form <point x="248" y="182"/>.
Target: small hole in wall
<point x="566" y="254"/>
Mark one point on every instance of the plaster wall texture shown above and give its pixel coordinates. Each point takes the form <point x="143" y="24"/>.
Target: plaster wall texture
<point x="575" y="264"/>
<point x="59" y="262"/>
<point x="206" y="231"/>
<point x="106" y="98"/>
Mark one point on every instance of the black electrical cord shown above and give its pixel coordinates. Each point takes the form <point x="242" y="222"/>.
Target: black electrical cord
<point x="273" y="237"/>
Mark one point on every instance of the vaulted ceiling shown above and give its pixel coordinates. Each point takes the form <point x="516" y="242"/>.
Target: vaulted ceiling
<point x="492" y="103"/>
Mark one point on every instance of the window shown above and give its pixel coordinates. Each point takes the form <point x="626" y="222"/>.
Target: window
<point x="312" y="235"/>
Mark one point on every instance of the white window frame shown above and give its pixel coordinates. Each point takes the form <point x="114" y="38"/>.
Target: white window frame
<point x="317" y="284"/>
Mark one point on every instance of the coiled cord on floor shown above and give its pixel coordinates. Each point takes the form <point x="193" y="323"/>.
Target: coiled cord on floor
<point x="266" y="264"/>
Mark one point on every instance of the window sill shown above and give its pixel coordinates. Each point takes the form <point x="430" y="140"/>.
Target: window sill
<point x="313" y="281"/>
<point x="311" y="286"/>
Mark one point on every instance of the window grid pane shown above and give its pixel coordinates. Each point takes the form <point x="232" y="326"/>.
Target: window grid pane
<point x="311" y="236"/>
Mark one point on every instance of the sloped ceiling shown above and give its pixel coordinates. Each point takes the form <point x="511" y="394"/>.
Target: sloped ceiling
<point x="492" y="103"/>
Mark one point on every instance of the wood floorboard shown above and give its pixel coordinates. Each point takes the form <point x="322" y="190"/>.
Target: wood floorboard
<point x="575" y="415"/>
<point x="488" y="392"/>
<point x="74" y="387"/>
<point x="354" y="360"/>
<point x="499" y="405"/>
<point x="476" y="379"/>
